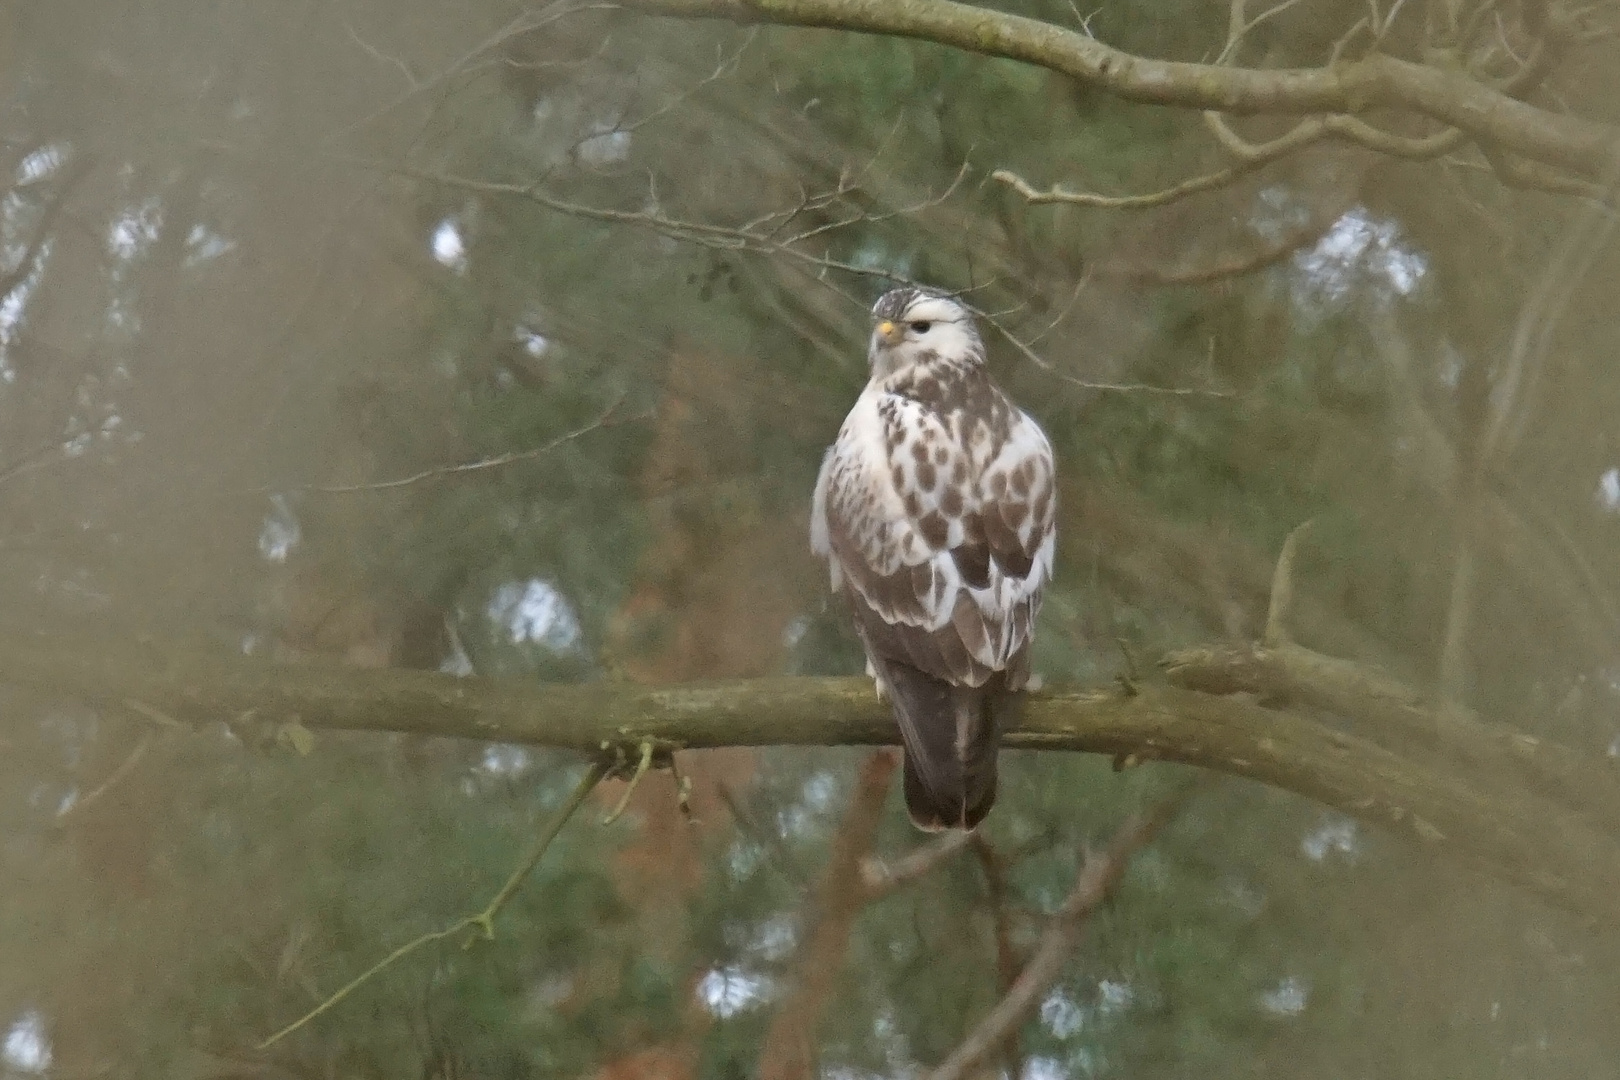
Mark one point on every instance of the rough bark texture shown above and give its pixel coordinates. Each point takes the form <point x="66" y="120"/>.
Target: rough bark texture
<point x="1503" y="827"/>
<point x="1401" y="715"/>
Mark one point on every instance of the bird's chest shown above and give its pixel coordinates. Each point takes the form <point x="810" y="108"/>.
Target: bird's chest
<point x="924" y="432"/>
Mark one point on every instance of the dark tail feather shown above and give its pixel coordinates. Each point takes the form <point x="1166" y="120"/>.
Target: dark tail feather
<point x="951" y="734"/>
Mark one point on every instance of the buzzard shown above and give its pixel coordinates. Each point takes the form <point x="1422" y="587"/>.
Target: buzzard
<point x="934" y="510"/>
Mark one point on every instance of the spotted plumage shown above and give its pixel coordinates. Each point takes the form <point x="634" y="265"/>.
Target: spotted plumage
<point x="935" y="511"/>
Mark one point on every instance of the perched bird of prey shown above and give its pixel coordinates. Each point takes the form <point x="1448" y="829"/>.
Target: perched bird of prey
<point x="934" y="510"/>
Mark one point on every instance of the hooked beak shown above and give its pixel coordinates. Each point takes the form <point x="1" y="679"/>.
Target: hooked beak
<point x="890" y="332"/>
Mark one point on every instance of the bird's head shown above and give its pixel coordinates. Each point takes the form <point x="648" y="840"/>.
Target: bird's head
<point x="916" y="327"/>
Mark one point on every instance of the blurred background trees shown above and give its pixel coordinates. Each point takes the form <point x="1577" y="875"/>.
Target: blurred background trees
<point x="268" y="272"/>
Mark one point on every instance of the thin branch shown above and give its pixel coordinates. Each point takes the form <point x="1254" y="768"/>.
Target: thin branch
<point x="741" y="239"/>
<point x="1207" y="182"/>
<point x="483" y="921"/>
<point x="1008" y="965"/>
<point x="124" y="768"/>
<point x="724" y="67"/>
<point x="1099" y="877"/>
<point x="880" y="877"/>
<point x="1237" y="29"/>
<point x="1451" y="674"/>
<point x="603" y="421"/>
<point x="1524" y="175"/>
<point x="526" y="21"/>
<point x="1274" y="251"/>
<point x="1410" y="147"/>
<point x="1251" y="156"/>
<point x="1349" y="128"/>
<point x="1119" y="388"/>
<point x="381" y="57"/>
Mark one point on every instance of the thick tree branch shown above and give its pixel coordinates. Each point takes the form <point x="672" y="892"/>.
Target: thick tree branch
<point x="1287" y="673"/>
<point x="1508" y="830"/>
<point x="1374" y="81"/>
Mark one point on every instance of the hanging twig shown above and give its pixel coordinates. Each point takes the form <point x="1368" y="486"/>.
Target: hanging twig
<point x="603" y="421"/>
<point x="483" y="921"/>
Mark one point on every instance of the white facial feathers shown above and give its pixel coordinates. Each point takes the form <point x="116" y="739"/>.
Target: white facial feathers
<point x="913" y="327"/>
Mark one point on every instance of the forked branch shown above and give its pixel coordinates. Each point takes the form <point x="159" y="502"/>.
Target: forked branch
<point x="1099" y="876"/>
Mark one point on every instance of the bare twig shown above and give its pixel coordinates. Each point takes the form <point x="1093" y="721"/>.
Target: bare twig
<point x="1238" y="28"/>
<point x="1008" y="964"/>
<point x="1108" y="387"/>
<point x="483" y="922"/>
<point x="642" y="765"/>
<point x="124" y="768"/>
<point x="879" y="877"/>
<point x="1207" y="182"/>
<point x="1451" y="678"/>
<point x="526" y="21"/>
<point x="1099" y="877"/>
<point x="1273" y="251"/>
<point x="605" y="420"/>
<point x="381" y="57"/>
<point x="1251" y="156"/>
<point x="724" y="67"/>
<point x="750" y="240"/>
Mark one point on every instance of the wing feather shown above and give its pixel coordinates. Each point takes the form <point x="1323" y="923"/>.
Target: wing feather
<point x="942" y="539"/>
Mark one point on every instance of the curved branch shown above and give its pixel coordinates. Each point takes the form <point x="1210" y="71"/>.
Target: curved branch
<point x="1036" y="197"/>
<point x="1375" y="81"/>
<point x="1482" y="817"/>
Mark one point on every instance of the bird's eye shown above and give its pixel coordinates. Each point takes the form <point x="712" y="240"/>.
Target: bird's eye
<point x="921" y="327"/>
